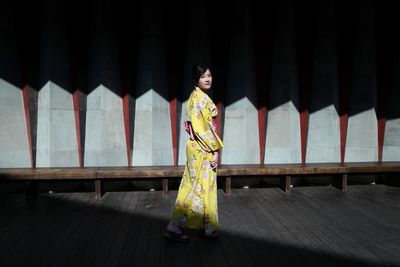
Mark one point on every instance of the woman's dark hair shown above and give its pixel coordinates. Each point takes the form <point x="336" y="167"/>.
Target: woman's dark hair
<point x="198" y="71"/>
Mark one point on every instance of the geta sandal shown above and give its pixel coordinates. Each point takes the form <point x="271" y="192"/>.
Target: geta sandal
<point x="175" y="236"/>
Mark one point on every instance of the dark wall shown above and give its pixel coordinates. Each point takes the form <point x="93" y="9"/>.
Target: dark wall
<point x="53" y="35"/>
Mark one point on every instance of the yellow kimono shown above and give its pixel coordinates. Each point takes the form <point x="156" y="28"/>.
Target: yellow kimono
<point x="196" y="203"/>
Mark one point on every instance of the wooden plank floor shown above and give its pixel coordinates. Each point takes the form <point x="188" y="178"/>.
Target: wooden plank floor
<point x="310" y="226"/>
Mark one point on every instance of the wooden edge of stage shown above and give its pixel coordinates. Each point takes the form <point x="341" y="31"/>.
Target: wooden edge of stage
<point x="164" y="173"/>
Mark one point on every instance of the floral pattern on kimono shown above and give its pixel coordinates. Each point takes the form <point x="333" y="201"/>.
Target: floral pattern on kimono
<point x="196" y="203"/>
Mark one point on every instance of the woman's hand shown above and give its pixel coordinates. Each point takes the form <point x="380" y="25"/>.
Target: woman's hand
<point x="214" y="161"/>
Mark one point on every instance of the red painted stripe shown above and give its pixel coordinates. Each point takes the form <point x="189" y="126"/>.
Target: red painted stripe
<point x="25" y="94"/>
<point x="304" y="117"/>
<point x="126" y="107"/>
<point x="173" y="116"/>
<point x="219" y="119"/>
<point x="75" y="97"/>
<point x="381" y="136"/>
<point x="261" y="132"/>
<point x="219" y="126"/>
<point x="344" y="118"/>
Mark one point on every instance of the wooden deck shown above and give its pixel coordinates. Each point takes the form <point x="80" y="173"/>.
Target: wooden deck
<point x="310" y="226"/>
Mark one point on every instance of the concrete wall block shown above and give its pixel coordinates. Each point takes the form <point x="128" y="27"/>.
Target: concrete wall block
<point x="323" y="136"/>
<point x="105" y="132"/>
<point x="152" y="136"/>
<point x="183" y="136"/>
<point x="391" y="146"/>
<point x="283" y="135"/>
<point x="57" y="144"/>
<point x="14" y="146"/>
<point x="241" y="141"/>
<point x="362" y="141"/>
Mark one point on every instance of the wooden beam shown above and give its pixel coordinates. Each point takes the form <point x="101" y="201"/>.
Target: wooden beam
<point x="140" y="172"/>
<point x="160" y="172"/>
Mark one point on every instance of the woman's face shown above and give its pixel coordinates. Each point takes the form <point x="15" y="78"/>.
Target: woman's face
<point x="205" y="80"/>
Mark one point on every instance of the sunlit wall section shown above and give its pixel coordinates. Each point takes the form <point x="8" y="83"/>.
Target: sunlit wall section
<point x="14" y="147"/>
<point x="56" y="131"/>
<point x="362" y="140"/>
<point x="105" y="143"/>
<point x="152" y="136"/>
<point x="391" y="147"/>
<point x="283" y="128"/>
<point x="241" y="117"/>
<point x="324" y="132"/>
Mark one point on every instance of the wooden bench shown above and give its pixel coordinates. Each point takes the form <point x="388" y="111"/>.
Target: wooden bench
<point x="226" y="172"/>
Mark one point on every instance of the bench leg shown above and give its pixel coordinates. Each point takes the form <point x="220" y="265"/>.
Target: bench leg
<point x="343" y="186"/>
<point x="98" y="189"/>
<point x="227" y="185"/>
<point x="341" y="182"/>
<point x="165" y="187"/>
<point x="285" y="183"/>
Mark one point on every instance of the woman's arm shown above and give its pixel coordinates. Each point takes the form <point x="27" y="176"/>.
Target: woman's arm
<point x="203" y="127"/>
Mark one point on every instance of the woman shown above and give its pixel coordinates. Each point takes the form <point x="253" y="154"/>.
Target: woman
<point x="196" y="203"/>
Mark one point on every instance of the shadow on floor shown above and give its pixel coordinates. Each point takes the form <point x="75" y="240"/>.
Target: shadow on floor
<point x="125" y="229"/>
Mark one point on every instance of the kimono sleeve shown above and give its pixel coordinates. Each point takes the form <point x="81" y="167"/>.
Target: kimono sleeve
<point x="200" y="119"/>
